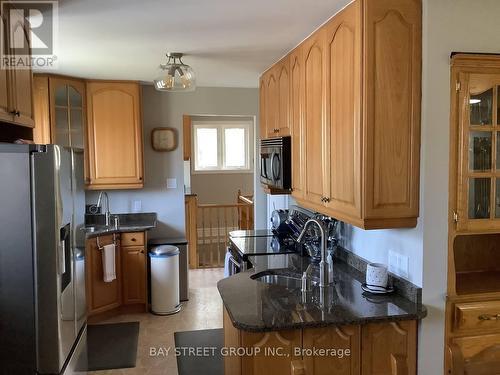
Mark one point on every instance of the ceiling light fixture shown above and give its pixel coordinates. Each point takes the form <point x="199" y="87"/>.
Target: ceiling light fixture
<point x="175" y="75"/>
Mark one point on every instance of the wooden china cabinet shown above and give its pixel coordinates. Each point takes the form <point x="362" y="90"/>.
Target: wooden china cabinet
<point x="473" y="302"/>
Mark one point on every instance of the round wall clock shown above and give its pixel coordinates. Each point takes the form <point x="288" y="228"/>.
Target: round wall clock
<point x="164" y="139"/>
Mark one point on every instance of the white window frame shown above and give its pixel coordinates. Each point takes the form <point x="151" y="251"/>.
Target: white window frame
<point x="221" y="125"/>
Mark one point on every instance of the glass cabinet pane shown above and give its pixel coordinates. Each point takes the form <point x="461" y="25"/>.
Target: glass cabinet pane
<point x="61" y="96"/>
<point x="481" y="108"/>
<point x="62" y="127"/>
<point x="480" y="151"/>
<point x="479" y="198"/>
<point x="498" y="105"/>
<point x="497" y="198"/>
<point x="76" y="128"/>
<point x="75" y="98"/>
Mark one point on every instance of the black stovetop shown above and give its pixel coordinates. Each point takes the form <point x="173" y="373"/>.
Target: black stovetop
<point x="247" y="246"/>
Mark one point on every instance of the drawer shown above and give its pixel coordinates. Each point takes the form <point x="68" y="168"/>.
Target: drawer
<point x="477" y="316"/>
<point x="473" y="345"/>
<point x="132" y="239"/>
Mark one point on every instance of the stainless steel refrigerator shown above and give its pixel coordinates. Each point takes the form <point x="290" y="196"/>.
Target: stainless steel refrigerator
<point x="42" y="260"/>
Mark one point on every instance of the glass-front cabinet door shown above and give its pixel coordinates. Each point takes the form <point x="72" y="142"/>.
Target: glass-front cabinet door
<point x="479" y="175"/>
<point x="67" y="99"/>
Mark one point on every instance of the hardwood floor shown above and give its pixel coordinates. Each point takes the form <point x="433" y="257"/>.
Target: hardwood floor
<point x="202" y="311"/>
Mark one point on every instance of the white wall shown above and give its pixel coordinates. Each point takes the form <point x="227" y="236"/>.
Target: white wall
<point x="449" y="26"/>
<point x="167" y="109"/>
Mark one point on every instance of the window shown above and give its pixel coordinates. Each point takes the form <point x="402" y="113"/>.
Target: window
<point x="222" y="146"/>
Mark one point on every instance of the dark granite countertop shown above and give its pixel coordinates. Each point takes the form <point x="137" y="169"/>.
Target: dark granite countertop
<point x="256" y="306"/>
<point x="128" y="223"/>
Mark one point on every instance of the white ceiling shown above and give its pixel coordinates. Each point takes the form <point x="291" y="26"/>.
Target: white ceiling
<point x="228" y="42"/>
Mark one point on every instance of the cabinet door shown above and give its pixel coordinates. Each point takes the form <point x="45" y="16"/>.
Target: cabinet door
<point x="101" y="296"/>
<point x="296" y="121"/>
<point x="21" y="81"/>
<point x="339" y="338"/>
<point x="275" y="352"/>
<point x="283" y="77"/>
<point x="314" y="104"/>
<point x="343" y="102"/>
<point x="392" y="52"/>
<point x="67" y="103"/>
<point x="263" y="107"/>
<point x="479" y="174"/>
<point x="272" y="102"/>
<point x="389" y="348"/>
<point x="5" y="104"/>
<point x="114" y="135"/>
<point x="133" y="274"/>
<point x="41" y="132"/>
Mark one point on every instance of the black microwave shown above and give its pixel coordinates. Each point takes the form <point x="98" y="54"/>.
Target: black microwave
<point x="276" y="163"/>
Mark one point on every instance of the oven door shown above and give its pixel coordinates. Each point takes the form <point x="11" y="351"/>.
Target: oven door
<point x="265" y="166"/>
<point x="234" y="266"/>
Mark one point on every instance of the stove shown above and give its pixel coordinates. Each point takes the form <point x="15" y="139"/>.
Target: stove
<point x="245" y="243"/>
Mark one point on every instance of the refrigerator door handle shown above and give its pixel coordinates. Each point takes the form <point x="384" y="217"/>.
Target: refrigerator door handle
<point x="62" y="257"/>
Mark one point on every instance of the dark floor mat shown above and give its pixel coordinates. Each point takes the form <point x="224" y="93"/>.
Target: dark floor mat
<point x="112" y="346"/>
<point x="209" y="365"/>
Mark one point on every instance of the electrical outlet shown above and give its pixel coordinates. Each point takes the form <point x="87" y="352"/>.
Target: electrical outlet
<point x="403" y="265"/>
<point x="136" y="206"/>
<point x="171" y="183"/>
<point x="399" y="264"/>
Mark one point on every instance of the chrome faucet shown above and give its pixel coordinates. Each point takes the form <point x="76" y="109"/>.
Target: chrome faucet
<point x="99" y="204"/>
<point x="323" y="265"/>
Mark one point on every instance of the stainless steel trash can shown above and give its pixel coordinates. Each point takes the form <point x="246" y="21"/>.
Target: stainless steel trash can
<point x="165" y="280"/>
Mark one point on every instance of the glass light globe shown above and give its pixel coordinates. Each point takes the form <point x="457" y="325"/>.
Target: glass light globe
<point x="175" y="75"/>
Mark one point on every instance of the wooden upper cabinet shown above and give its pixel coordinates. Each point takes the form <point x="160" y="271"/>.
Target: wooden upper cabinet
<point x="343" y="111"/>
<point x="16" y="84"/>
<point x="389" y="348"/>
<point x="272" y="102"/>
<point x="114" y="135"/>
<point x="283" y="74"/>
<point x="392" y="95"/>
<point x="262" y="108"/>
<point x="275" y="100"/>
<point x="314" y="103"/>
<point x="359" y="146"/>
<point x="296" y="120"/>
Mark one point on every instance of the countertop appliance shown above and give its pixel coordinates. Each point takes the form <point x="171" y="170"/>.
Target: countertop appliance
<point x="276" y="163"/>
<point x="279" y="221"/>
<point x="42" y="260"/>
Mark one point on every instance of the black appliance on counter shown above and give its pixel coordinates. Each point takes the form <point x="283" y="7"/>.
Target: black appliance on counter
<point x="243" y="244"/>
<point x="276" y="163"/>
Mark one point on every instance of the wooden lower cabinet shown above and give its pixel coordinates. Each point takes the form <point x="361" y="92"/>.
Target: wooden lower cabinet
<point x="129" y="288"/>
<point x="101" y="296"/>
<point x="345" y="340"/>
<point x="134" y="274"/>
<point x="372" y="349"/>
<point x="389" y="348"/>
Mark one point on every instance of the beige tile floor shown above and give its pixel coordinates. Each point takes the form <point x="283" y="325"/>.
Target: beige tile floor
<point x="202" y="311"/>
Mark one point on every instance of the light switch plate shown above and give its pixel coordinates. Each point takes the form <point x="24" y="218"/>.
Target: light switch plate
<point x="171" y="183"/>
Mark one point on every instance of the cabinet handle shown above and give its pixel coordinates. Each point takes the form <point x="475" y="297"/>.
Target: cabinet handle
<point x="327" y="200"/>
<point x="489" y="317"/>
<point x="133" y="239"/>
<point x="15" y="113"/>
<point x="142" y="251"/>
